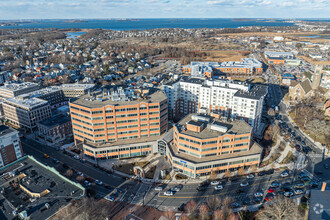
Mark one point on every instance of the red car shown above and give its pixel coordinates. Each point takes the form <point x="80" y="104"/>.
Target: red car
<point x="271" y="190"/>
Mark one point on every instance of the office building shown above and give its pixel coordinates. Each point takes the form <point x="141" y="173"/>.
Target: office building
<point x="16" y="89"/>
<point x="10" y="145"/>
<point x="230" y="99"/>
<point x="3" y="77"/>
<point x="21" y="112"/>
<point x="119" y="123"/>
<point x="203" y="144"/>
<point x="76" y="90"/>
<point x="280" y="58"/>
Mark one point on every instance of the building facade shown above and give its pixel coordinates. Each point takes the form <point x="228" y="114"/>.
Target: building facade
<point x="109" y="121"/>
<point x="25" y="113"/>
<point x="226" y="98"/>
<point x="203" y="144"/>
<point x="10" y="145"/>
<point x="3" y="77"/>
<point x="16" y="89"/>
<point x="76" y="90"/>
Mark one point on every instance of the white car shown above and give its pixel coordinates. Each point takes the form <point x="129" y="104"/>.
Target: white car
<point x="87" y="183"/>
<point x="250" y="176"/>
<point x="298" y="191"/>
<point x="288" y="194"/>
<point x="215" y="182"/>
<point x="169" y="193"/>
<point x="244" y="184"/>
<point x="76" y="157"/>
<point x="159" y="188"/>
<point x="218" y="187"/>
<point x="80" y="173"/>
<point x="284" y="174"/>
<point x="258" y="194"/>
<point x="98" y="182"/>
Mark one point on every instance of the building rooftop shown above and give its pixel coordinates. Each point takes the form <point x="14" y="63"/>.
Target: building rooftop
<point x="255" y="92"/>
<point x="213" y="127"/>
<point x="77" y="86"/>
<point x="4" y="130"/>
<point x="55" y="121"/>
<point x="29" y="103"/>
<point x="18" y="86"/>
<point x="35" y="177"/>
<point x="118" y="97"/>
<point x="41" y="92"/>
<point x="256" y="149"/>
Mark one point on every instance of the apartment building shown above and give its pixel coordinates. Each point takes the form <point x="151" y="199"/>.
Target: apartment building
<point x="16" y="89"/>
<point x="248" y="66"/>
<point x="119" y="123"/>
<point x="75" y="90"/>
<point x="203" y="144"/>
<point x="10" y="145"/>
<point x="22" y="112"/>
<point x="53" y="94"/>
<point x="280" y="58"/>
<point x="229" y="99"/>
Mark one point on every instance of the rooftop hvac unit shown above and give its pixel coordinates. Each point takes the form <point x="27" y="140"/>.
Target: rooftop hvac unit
<point x="219" y="128"/>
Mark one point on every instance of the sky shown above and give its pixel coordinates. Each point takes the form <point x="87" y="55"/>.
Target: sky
<point x="89" y="9"/>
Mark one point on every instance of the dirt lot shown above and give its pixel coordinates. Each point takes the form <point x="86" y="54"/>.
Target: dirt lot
<point x="314" y="62"/>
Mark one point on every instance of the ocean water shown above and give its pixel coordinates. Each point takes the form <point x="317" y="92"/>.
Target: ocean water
<point x="142" y="24"/>
<point x="75" y="34"/>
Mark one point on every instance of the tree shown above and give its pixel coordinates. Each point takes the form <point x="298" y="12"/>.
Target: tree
<point x="227" y="211"/>
<point x="213" y="202"/>
<point x="279" y="208"/>
<point x="203" y="212"/>
<point x="191" y="208"/>
<point x="227" y="173"/>
<point x="213" y="175"/>
<point x="218" y="215"/>
<point x="306" y="113"/>
<point x="69" y="173"/>
<point x="317" y="127"/>
<point x="271" y="112"/>
<point x="169" y="214"/>
<point x="241" y="171"/>
<point x="80" y="178"/>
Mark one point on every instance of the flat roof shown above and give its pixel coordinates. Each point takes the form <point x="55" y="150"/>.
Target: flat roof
<point x="29" y="103"/>
<point x="234" y="127"/>
<point x="4" y="130"/>
<point x="55" y="120"/>
<point x="42" y="92"/>
<point x="39" y="177"/>
<point x="254" y="150"/>
<point x="155" y="96"/>
<point x="77" y="86"/>
<point x="255" y="92"/>
<point x="18" y="86"/>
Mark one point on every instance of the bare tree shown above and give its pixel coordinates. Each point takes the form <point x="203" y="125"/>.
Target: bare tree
<point x="69" y="173"/>
<point x="279" y="208"/>
<point x="191" y="208"/>
<point x="80" y="178"/>
<point x="213" y="175"/>
<point x="218" y="215"/>
<point x="271" y="112"/>
<point x="213" y="202"/>
<point x="227" y="211"/>
<point x="227" y="173"/>
<point x="241" y="171"/>
<point x="169" y="214"/>
<point x="203" y="212"/>
<point x="306" y="113"/>
<point x="317" y="127"/>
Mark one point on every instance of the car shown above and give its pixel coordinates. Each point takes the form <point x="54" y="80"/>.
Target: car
<point x="168" y="193"/>
<point x="201" y="188"/>
<point x="46" y="156"/>
<point x="299" y="185"/>
<point x="301" y="175"/>
<point x="87" y="183"/>
<point x="289" y="130"/>
<point x="261" y="173"/>
<point x="298" y="148"/>
<point x="234" y="205"/>
<point x="250" y="176"/>
<point x="181" y="207"/>
<point x="257" y="200"/>
<point x="288" y="194"/>
<point x="218" y="187"/>
<point x="215" y="182"/>
<point x="298" y="138"/>
<point x="271" y="190"/>
<point x="246" y="201"/>
<point x="284" y="174"/>
<point x="111" y="198"/>
<point x="298" y="191"/>
<point x="268" y="172"/>
<point x="258" y="194"/>
<point x="275" y="184"/>
<point x="326" y="166"/>
<point x="80" y="173"/>
<point x="76" y="157"/>
<point x="293" y="134"/>
<point x="305" y="179"/>
<point x="98" y="182"/>
<point x="178" y="188"/>
<point x="269" y="196"/>
<point x="159" y="188"/>
<point x="303" y="143"/>
<point x="205" y="183"/>
<point x="244" y="184"/>
<point x="56" y="161"/>
<point x="314" y="184"/>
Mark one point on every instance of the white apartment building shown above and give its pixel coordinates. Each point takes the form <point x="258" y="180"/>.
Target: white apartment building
<point x="234" y="100"/>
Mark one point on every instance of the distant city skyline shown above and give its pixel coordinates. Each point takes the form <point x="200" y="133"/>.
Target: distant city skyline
<point x="95" y="9"/>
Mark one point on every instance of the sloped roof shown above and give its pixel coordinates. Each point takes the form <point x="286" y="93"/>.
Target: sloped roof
<point x="306" y="85"/>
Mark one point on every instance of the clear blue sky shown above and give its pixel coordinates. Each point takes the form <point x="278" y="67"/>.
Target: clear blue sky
<point x="49" y="9"/>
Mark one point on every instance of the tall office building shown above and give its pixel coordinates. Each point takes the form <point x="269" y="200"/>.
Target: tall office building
<point x="119" y="123"/>
<point x="231" y="100"/>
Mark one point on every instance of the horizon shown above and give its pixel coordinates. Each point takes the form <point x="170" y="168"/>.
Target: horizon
<point x="131" y="9"/>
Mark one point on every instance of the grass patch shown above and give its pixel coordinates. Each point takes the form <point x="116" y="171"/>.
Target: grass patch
<point x="151" y="172"/>
<point x="289" y="158"/>
<point x="128" y="168"/>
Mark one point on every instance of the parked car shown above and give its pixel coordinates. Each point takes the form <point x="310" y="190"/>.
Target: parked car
<point x="275" y="184"/>
<point x="98" y="182"/>
<point x="76" y="157"/>
<point x="250" y="176"/>
<point x="258" y="194"/>
<point x="201" y="188"/>
<point x="298" y="191"/>
<point x="56" y="161"/>
<point x="46" y="156"/>
<point x="288" y="194"/>
<point x="244" y="184"/>
<point x="299" y="185"/>
<point x="234" y="205"/>
<point x="215" y="182"/>
<point x="178" y="188"/>
<point x="326" y="166"/>
<point x="271" y="190"/>
<point x="218" y="187"/>
<point x="261" y="173"/>
<point x="284" y="174"/>
<point x="159" y="188"/>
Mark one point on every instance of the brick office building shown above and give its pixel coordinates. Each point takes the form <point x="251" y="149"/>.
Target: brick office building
<point x="10" y="145"/>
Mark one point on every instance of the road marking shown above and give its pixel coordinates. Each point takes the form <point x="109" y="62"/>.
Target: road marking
<point x="204" y="196"/>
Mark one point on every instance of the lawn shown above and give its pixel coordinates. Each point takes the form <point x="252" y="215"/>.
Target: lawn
<point x="128" y="168"/>
<point x="289" y="158"/>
